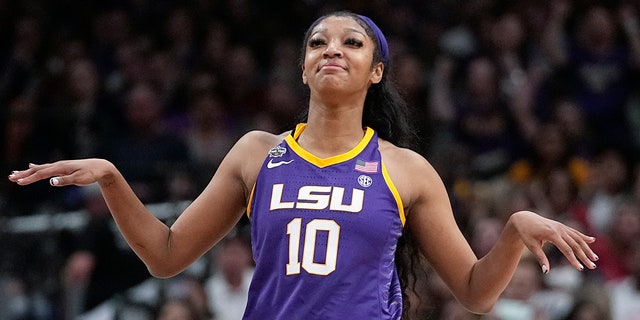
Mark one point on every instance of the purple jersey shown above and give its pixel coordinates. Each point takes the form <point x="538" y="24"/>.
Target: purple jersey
<point x="324" y="234"/>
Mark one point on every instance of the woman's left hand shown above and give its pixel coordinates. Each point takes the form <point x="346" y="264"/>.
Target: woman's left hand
<point x="535" y="231"/>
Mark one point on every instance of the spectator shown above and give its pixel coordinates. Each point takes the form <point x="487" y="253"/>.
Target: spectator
<point x="591" y="302"/>
<point x="144" y="149"/>
<point x="178" y="309"/>
<point x="19" y="302"/>
<point x="83" y="118"/>
<point x="51" y="59"/>
<point x="111" y="29"/>
<point x="481" y="117"/>
<point x="518" y="301"/>
<point x="625" y="295"/>
<point x="560" y="198"/>
<point x="608" y="182"/>
<point x="566" y="113"/>
<point x="485" y="233"/>
<point x="548" y="151"/>
<point x="102" y="265"/>
<point x="242" y="82"/>
<point x="596" y="66"/>
<point x="618" y="242"/>
<point x="209" y="135"/>
<point x="21" y="140"/>
<point x="228" y="288"/>
<point x="22" y="64"/>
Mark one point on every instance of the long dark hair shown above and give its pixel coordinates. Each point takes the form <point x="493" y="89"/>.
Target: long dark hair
<point x="386" y="111"/>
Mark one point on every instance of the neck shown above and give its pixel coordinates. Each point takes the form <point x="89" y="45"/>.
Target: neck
<point x="332" y="129"/>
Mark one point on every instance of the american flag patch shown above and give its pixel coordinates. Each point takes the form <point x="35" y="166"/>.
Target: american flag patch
<point x="366" y="166"/>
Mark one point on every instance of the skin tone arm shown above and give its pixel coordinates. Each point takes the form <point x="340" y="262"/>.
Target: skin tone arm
<point x="167" y="250"/>
<point x="476" y="283"/>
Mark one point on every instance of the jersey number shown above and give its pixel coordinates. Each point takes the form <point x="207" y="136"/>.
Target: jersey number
<point x="294" y="230"/>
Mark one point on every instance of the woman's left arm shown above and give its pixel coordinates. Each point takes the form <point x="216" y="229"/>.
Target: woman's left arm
<point x="525" y="229"/>
<point x="476" y="283"/>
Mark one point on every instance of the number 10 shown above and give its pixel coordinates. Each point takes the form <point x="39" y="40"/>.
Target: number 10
<point x="294" y="229"/>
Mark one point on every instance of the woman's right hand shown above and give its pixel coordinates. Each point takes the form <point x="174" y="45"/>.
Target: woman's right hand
<point x="66" y="172"/>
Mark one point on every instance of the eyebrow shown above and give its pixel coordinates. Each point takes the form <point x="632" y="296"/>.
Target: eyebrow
<point x="321" y="30"/>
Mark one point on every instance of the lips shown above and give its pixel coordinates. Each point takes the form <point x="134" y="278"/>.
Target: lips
<point x="331" y="66"/>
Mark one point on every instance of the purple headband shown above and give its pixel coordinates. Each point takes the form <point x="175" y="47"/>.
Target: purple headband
<point x="382" y="41"/>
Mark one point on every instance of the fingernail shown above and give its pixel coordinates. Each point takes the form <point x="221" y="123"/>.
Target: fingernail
<point x="54" y="181"/>
<point x="581" y="268"/>
<point x="545" y="269"/>
<point x="593" y="265"/>
<point x="595" y="257"/>
<point x="31" y="164"/>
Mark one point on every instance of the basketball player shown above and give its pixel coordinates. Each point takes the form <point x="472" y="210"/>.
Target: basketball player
<point x="329" y="200"/>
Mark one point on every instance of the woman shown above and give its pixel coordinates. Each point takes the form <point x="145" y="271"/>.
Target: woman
<point x="330" y="201"/>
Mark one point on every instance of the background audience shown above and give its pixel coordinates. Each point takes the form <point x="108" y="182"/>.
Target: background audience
<point x="526" y="105"/>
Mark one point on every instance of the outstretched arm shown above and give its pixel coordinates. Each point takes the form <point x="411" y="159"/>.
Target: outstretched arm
<point x="146" y="235"/>
<point x="166" y="251"/>
<point x="476" y="283"/>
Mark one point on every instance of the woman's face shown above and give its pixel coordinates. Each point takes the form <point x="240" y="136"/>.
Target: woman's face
<point x="339" y="55"/>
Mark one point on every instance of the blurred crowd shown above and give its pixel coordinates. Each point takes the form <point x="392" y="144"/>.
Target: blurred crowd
<point x="526" y="105"/>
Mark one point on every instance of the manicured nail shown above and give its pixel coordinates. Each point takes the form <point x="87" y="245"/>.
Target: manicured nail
<point x="595" y="257"/>
<point x="545" y="269"/>
<point x="54" y="181"/>
<point x="581" y="267"/>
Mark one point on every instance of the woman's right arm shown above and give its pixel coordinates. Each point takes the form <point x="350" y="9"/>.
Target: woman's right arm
<point x="166" y="250"/>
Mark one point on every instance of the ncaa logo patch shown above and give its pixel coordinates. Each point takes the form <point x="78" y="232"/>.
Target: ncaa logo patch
<point x="365" y="181"/>
<point x="277" y="152"/>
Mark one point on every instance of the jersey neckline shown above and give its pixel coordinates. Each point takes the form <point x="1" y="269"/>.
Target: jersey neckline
<point x="292" y="140"/>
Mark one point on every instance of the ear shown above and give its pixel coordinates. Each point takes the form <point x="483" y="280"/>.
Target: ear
<point x="377" y="72"/>
<point x="304" y="75"/>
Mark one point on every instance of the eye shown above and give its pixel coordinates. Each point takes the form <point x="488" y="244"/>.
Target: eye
<point x="316" y="42"/>
<point x="353" y="42"/>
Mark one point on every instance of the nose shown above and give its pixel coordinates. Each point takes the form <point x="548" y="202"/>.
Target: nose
<point x="332" y="50"/>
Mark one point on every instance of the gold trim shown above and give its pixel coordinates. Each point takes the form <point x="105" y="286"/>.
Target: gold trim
<point x="251" y="200"/>
<point x="394" y="191"/>
<point x="325" y="162"/>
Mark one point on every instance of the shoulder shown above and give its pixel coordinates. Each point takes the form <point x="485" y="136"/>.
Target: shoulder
<point x="403" y="162"/>
<point x="249" y="152"/>
<point x="261" y="138"/>
<point x="392" y="153"/>
<point x="411" y="173"/>
<point x="254" y="143"/>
